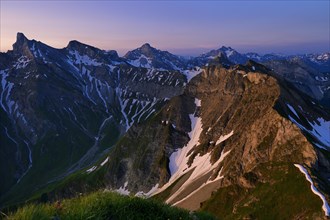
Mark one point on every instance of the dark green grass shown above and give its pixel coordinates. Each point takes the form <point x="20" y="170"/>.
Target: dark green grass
<point x="286" y="196"/>
<point x="105" y="205"/>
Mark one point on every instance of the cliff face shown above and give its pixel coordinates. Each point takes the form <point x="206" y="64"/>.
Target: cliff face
<point x="222" y="136"/>
<point x="62" y="109"/>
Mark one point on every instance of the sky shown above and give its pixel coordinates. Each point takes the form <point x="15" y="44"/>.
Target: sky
<point x="181" y="27"/>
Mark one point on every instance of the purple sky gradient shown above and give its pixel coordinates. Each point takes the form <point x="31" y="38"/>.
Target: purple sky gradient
<point x="181" y="27"/>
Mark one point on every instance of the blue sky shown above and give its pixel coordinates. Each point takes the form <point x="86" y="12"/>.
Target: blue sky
<point x="181" y="27"/>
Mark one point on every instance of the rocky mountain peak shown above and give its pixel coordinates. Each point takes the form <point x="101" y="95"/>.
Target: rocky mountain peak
<point x="221" y="59"/>
<point x="80" y="47"/>
<point x="20" y="37"/>
<point x="148" y="57"/>
<point x="147" y="50"/>
<point x="146" y="46"/>
<point x="222" y="54"/>
<point x="112" y="53"/>
<point x="224" y="48"/>
<point x="21" y="46"/>
<point x="76" y="47"/>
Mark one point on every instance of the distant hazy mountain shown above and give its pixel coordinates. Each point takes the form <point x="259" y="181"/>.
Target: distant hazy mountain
<point x="149" y="57"/>
<point x="309" y="73"/>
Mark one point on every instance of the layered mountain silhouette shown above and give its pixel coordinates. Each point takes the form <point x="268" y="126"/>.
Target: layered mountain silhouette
<point x="228" y="133"/>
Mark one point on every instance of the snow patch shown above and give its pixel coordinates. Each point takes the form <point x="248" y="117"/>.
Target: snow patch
<point x="229" y="52"/>
<point x="123" y="190"/>
<point x="22" y="62"/>
<point x="223" y="138"/>
<point x="122" y="108"/>
<point x="142" y="61"/>
<point x="198" y="102"/>
<point x="321" y="78"/>
<point x="105" y="161"/>
<point x="323" y="57"/>
<point x="111" y="67"/>
<point x="5" y="99"/>
<point x="320" y="128"/>
<point x="201" y="164"/>
<point x="91" y="169"/>
<point x="325" y="206"/>
<point x="179" y="158"/>
<point x="219" y="177"/>
<point x="78" y="59"/>
<point x="192" y="73"/>
<point x="148" y="194"/>
<point x="292" y="110"/>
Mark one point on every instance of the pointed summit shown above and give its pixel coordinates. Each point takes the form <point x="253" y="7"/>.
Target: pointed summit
<point x="21" y="41"/>
<point x="76" y="45"/>
<point x="149" y="57"/>
<point x="20" y="37"/>
<point x="224" y="48"/>
<point x="146" y="46"/>
<point x="22" y="46"/>
<point x="77" y="48"/>
<point x="148" y="50"/>
<point x="221" y="59"/>
<point x="230" y="53"/>
<point x="83" y="49"/>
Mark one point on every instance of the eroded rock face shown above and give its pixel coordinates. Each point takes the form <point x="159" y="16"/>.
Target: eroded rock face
<point x="233" y="102"/>
<point x="237" y="119"/>
<point x="62" y="108"/>
<point x="256" y="78"/>
<point x="246" y="107"/>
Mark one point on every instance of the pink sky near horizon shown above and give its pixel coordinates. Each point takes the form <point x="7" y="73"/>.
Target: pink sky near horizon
<point x="185" y="28"/>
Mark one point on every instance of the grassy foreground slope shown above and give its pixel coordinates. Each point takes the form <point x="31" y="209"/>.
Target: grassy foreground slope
<point x="105" y="205"/>
<point x="286" y="195"/>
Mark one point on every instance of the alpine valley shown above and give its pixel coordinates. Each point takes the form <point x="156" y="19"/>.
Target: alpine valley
<point x="240" y="136"/>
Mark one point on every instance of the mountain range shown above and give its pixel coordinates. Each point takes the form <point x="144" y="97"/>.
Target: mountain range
<point x="228" y="133"/>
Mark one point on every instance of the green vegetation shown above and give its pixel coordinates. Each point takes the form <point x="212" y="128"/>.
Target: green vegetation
<point x="105" y="205"/>
<point x="286" y="195"/>
<point x="72" y="185"/>
<point x="7" y="154"/>
<point x="54" y="153"/>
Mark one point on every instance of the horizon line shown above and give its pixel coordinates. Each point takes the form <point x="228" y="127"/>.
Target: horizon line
<point x="206" y="49"/>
